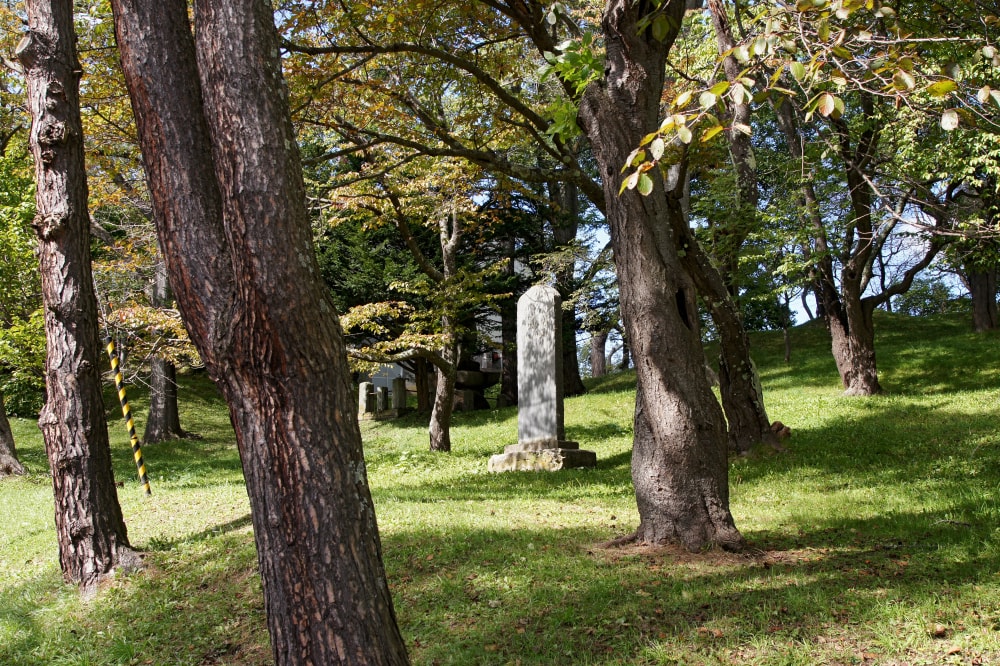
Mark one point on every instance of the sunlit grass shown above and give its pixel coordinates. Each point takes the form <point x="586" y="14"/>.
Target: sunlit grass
<point x="875" y="540"/>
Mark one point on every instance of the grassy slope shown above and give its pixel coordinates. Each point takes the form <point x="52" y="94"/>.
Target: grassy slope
<point x="875" y="540"/>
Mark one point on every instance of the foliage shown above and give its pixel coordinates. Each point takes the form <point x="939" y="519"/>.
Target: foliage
<point x="874" y="539"/>
<point x="928" y="296"/>
<point x="22" y="360"/>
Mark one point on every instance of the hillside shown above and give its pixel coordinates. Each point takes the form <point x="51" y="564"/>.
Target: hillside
<point x="875" y="539"/>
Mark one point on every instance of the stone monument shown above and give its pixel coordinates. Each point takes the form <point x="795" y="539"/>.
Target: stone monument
<point x="541" y="437"/>
<point x="366" y="401"/>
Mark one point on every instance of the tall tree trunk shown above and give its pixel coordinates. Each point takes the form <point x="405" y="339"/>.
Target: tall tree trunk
<point x="163" y="422"/>
<point x="679" y="457"/>
<point x="444" y="402"/>
<point x="9" y="464"/>
<point x="226" y="183"/>
<point x="598" y="349"/>
<point x="983" y="289"/>
<point x="564" y="229"/>
<point x="89" y="524"/>
<point x="508" y="336"/>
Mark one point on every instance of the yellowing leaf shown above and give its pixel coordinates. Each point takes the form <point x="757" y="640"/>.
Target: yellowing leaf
<point x="710" y="132"/>
<point x="942" y="88"/>
<point x="707" y="100"/>
<point x="798" y="70"/>
<point x="683" y="99"/>
<point x="827" y="104"/>
<point x="656" y="148"/>
<point x="684" y="134"/>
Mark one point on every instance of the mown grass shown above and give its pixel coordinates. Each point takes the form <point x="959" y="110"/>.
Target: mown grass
<point x="875" y="540"/>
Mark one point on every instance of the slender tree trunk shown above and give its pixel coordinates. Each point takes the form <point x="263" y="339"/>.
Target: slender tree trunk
<point x="226" y="183"/>
<point x="564" y="232"/>
<point x="9" y="464"/>
<point x="508" y="336"/>
<point x="89" y="525"/>
<point x="422" y="385"/>
<point x="626" y="361"/>
<point x="163" y="422"/>
<point x="598" y="349"/>
<point x="983" y="289"/>
<point x="679" y="458"/>
<point x="444" y="402"/>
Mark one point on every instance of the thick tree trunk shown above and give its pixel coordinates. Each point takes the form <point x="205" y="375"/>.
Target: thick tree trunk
<point x="444" y="405"/>
<point x="163" y="422"/>
<point x="9" y="464"/>
<point x="598" y="349"/>
<point x="679" y="458"/>
<point x="853" y="337"/>
<point x="226" y="183"/>
<point x="89" y="524"/>
<point x="983" y="289"/>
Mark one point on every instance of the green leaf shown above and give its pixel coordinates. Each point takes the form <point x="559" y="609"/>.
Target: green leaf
<point x="798" y="70"/>
<point x="661" y="27"/>
<point x="645" y="184"/>
<point x="719" y="88"/>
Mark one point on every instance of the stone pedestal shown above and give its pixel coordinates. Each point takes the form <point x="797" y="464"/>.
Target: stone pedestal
<point x="541" y="439"/>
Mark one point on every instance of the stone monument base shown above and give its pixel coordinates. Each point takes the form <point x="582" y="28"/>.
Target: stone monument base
<point x="534" y="457"/>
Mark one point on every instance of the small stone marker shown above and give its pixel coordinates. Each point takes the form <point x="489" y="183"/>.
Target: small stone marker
<point x="366" y="400"/>
<point x="541" y="437"/>
<point x="381" y="398"/>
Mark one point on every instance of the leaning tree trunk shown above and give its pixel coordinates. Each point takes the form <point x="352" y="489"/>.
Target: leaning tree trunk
<point x="9" y="464"/>
<point x="163" y="423"/>
<point x="226" y="183"/>
<point x="89" y="526"/>
<point x="679" y="457"/>
<point x="983" y="289"/>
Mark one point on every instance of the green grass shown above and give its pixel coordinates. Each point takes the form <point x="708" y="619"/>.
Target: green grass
<point x="875" y="540"/>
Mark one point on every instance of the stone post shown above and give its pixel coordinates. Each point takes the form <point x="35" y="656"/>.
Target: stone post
<point x="366" y="401"/>
<point x="381" y="399"/>
<point x="541" y="438"/>
<point x="399" y="394"/>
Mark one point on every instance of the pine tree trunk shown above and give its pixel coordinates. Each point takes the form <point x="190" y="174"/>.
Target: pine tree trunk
<point x="163" y="422"/>
<point x="9" y="464"/>
<point x="598" y="349"/>
<point x="89" y="526"/>
<point x="983" y="289"/>
<point x="679" y="458"/>
<point x="226" y="183"/>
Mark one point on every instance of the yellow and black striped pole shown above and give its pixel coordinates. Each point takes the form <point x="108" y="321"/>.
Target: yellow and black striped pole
<point x="127" y="413"/>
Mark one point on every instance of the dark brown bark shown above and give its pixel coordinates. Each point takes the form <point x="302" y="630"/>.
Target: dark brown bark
<point x="89" y="524"/>
<point x="163" y="423"/>
<point x="508" y="337"/>
<point x="9" y="464"/>
<point x="982" y="286"/>
<point x="598" y="351"/>
<point x="226" y="184"/>
<point x="679" y="458"/>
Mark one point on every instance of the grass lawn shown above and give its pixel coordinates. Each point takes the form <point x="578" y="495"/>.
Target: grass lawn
<point x="875" y="540"/>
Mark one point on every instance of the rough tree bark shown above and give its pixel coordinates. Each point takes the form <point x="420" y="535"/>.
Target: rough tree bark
<point x="564" y="230"/>
<point x="163" y="422"/>
<point x="226" y="182"/>
<point x="679" y="458"/>
<point x="9" y="464"/>
<point x="89" y="524"/>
